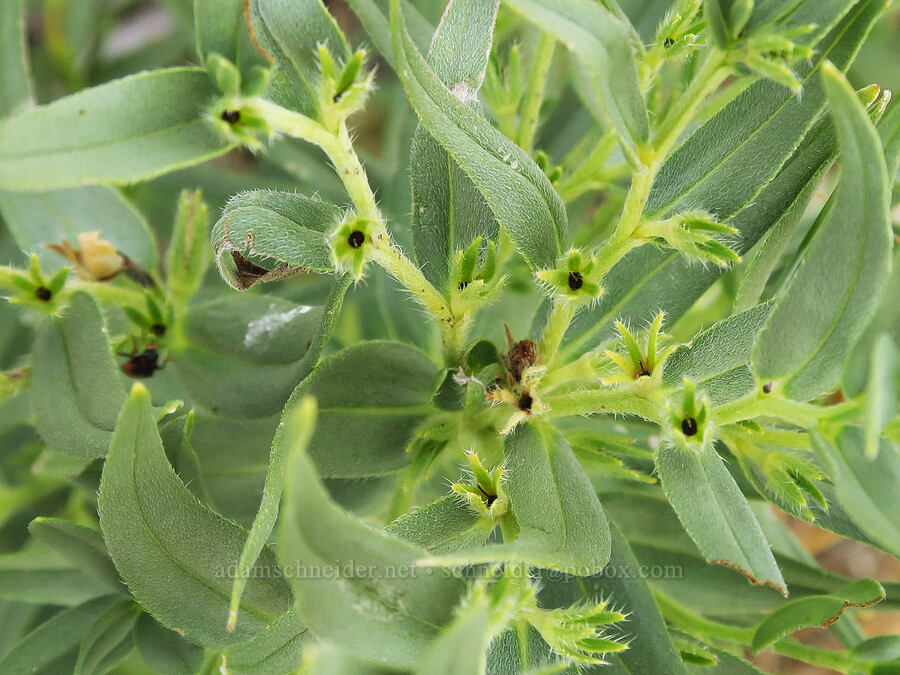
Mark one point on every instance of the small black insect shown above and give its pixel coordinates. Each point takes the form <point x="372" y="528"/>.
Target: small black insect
<point x="689" y="426"/>
<point x="576" y="281"/>
<point x="142" y="365"/>
<point x="43" y="293"/>
<point x="231" y="116"/>
<point x="356" y="239"/>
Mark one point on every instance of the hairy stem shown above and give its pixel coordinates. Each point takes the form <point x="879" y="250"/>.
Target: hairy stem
<point x="534" y="93"/>
<point x="557" y="324"/>
<point x="614" y="400"/>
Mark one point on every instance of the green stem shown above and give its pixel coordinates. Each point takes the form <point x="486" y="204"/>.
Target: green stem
<point x="534" y="93"/>
<point x="769" y="405"/>
<point x="683" y="618"/>
<point x="586" y="175"/>
<point x="604" y="400"/>
<point x="339" y="148"/>
<point x="580" y="369"/>
<point x="557" y="324"/>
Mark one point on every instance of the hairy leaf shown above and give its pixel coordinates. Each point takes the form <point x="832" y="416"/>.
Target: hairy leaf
<point x="716" y="515"/>
<point x="518" y="192"/>
<point x="173" y="552"/>
<point x="120" y="132"/>
<point x="15" y="85"/>
<point x="836" y="288"/>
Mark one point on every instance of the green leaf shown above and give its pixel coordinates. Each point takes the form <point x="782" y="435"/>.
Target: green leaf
<point x="372" y="396"/>
<point x="173" y="552"/>
<point x="515" y="188"/>
<point x="281" y="226"/>
<point x="608" y="74"/>
<point x="220" y="27"/>
<point x="718" y="359"/>
<point x="448" y="211"/>
<point x="36" y="219"/>
<point x="716" y="515"/>
<point x="81" y="545"/>
<point x="460" y="648"/>
<point x="273" y="651"/>
<point x="889" y="130"/>
<point x="382" y="606"/>
<point x="38" y="575"/>
<point x="108" y="641"/>
<point x="54" y="638"/>
<point x="751" y="137"/>
<point x="865" y="487"/>
<point x="75" y="384"/>
<point x="15" y="85"/>
<point x="120" y="132"/>
<point x="243" y="355"/>
<point x="164" y="650"/>
<point x="187" y="257"/>
<point x="835" y="290"/>
<point x="443" y="526"/>
<point x="819" y="610"/>
<point x="289" y="31"/>
<point x="561" y="522"/>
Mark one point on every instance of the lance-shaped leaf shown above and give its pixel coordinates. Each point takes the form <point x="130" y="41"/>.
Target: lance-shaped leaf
<point x="522" y="199"/>
<point x="55" y="638"/>
<point x="15" y="85"/>
<point x="716" y="515"/>
<point x="560" y="520"/>
<point x="836" y="288"/>
<point x="372" y="396"/>
<point x="865" y="487"/>
<point x="608" y="74"/>
<point x="448" y="211"/>
<point x="750" y="138"/>
<point x="175" y="554"/>
<point x="243" y="355"/>
<point x="284" y="227"/>
<point x="75" y="385"/>
<point x="381" y="605"/>
<point x="81" y="545"/>
<point x="819" y="610"/>
<point x="718" y="359"/>
<point x="120" y="132"/>
<point x="37" y="574"/>
<point x="289" y="31"/>
<point x="36" y="219"/>
<point x="444" y="526"/>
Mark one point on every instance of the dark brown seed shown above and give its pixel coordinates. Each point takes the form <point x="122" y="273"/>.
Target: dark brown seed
<point x="767" y="388"/>
<point x="576" y="281"/>
<point x="525" y="402"/>
<point x="689" y="426"/>
<point x="43" y="293"/>
<point x="356" y="239"/>
<point x="231" y="116"/>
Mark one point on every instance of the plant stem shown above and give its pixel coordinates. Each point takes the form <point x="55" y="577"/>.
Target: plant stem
<point x="769" y="405"/>
<point x="557" y="324"/>
<point x="339" y="148"/>
<point x="683" y="618"/>
<point x="586" y="175"/>
<point x="602" y="400"/>
<point x="534" y="93"/>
